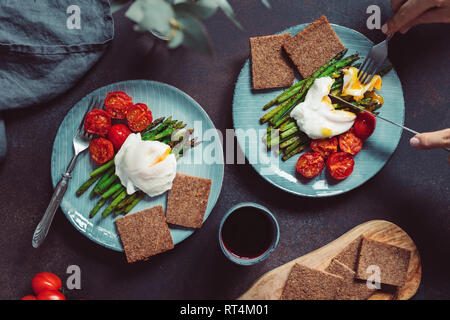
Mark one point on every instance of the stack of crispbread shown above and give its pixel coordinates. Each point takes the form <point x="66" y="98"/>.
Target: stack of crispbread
<point x="349" y="275"/>
<point x="146" y="233"/>
<point x="307" y="51"/>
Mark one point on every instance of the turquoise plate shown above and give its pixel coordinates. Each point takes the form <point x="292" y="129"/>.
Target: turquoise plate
<point x="163" y="100"/>
<point x="247" y="109"/>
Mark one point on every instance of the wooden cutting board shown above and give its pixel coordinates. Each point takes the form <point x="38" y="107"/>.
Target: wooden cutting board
<point x="271" y="284"/>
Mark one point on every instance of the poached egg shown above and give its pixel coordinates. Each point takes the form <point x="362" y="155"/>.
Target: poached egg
<point x="316" y="116"/>
<point x="353" y="87"/>
<point x="145" y="165"/>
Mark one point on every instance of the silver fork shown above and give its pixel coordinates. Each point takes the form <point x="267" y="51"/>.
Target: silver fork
<point x="373" y="61"/>
<point x="80" y="143"/>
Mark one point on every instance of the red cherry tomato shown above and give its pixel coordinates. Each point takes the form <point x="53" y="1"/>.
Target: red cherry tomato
<point x="45" y="281"/>
<point x="364" y="125"/>
<point x="97" y="122"/>
<point x="139" y="117"/>
<point x="50" y="295"/>
<point x="29" y="297"/>
<point x="310" y="164"/>
<point x="101" y="150"/>
<point x="340" y="165"/>
<point x="350" y="143"/>
<point x="118" y="134"/>
<point x="325" y="146"/>
<point x="117" y="104"/>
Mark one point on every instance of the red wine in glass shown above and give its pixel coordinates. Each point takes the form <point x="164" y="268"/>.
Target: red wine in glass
<point x="247" y="232"/>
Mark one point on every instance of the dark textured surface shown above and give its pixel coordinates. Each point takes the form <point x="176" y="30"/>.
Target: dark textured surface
<point x="411" y="191"/>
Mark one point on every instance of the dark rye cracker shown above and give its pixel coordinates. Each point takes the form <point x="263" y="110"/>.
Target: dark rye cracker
<point x="305" y="283"/>
<point x="187" y="200"/>
<point x="351" y="289"/>
<point x="144" y="234"/>
<point x="393" y="262"/>
<point x="313" y="47"/>
<point x="269" y="67"/>
<point x="349" y="256"/>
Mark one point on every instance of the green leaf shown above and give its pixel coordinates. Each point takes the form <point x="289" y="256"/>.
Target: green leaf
<point x="202" y="9"/>
<point x="152" y="15"/>
<point x="195" y="36"/>
<point x="266" y="3"/>
<point x="116" y="5"/>
<point x="228" y="10"/>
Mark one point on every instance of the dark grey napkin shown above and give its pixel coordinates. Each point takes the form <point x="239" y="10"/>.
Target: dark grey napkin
<point x="40" y="56"/>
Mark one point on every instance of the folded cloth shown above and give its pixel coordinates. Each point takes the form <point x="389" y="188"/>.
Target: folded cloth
<point x="46" y="46"/>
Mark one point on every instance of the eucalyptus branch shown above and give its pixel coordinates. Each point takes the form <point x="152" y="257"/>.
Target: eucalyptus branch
<point x="177" y="21"/>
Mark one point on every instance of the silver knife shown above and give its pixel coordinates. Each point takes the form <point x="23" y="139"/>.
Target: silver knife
<point x="351" y="105"/>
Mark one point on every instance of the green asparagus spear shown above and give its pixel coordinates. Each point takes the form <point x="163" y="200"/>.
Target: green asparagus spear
<point x="82" y="189"/>
<point x="294" y="152"/>
<point x="102" y="168"/>
<point x="289" y="142"/>
<point x="97" y="207"/>
<point x="112" y="190"/>
<point x="153" y="125"/>
<point x="105" y="177"/>
<point x="105" y="185"/>
<point x="113" y="204"/>
<point x="130" y="206"/>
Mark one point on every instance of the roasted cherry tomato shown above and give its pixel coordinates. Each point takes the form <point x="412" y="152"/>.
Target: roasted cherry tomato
<point x="310" y="164"/>
<point x="29" y="297"/>
<point x="45" y="281"/>
<point x="97" y="122"/>
<point x="325" y="146"/>
<point x="364" y="125"/>
<point x="139" y="117"/>
<point x="350" y="143"/>
<point x="117" y="104"/>
<point x="340" y="165"/>
<point x="118" y="134"/>
<point x="101" y="150"/>
<point x="50" y="295"/>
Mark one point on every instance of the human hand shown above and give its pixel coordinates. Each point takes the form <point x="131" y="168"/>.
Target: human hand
<point x="409" y="13"/>
<point x="431" y="140"/>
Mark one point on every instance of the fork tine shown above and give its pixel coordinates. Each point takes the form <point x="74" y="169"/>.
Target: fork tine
<point x="371" y="73"/>
<point x="362" y="68"/>
<point x="89" y="108"/>
<point x="367" y="72"/>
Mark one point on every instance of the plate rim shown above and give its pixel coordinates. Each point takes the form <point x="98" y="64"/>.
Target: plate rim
<point x="153" y="82"/>
<point x="323" y="195"/>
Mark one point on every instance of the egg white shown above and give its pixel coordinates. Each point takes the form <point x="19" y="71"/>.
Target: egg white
<point x="316" y="116"/>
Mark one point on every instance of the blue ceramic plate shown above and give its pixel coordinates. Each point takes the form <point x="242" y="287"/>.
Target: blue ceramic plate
<point x="247" y="109"/>
<point x="163" y="100"/>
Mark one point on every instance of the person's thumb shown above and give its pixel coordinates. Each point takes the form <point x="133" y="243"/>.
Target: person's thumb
<point x="430" y="140"/>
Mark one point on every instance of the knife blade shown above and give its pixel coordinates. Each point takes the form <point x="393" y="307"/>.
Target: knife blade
<point x="351" y="105"/>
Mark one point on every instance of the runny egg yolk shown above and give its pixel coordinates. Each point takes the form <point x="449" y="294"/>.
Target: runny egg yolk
<point x="353" y="87"/>
<point x="326" y="132"/>
<point x="162" y="157"/>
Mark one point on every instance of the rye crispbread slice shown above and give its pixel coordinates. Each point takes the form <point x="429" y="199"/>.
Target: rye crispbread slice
<point x="187" y="200"/>
<point x="351" y="289"/>
<point x="269" y="66"/>
<point x="349" y="256"/>
<point x="304" y="283"/>
<point x="144" y="234"/>
<point x="313" y="46"/>
<point x="393" y="262"/>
